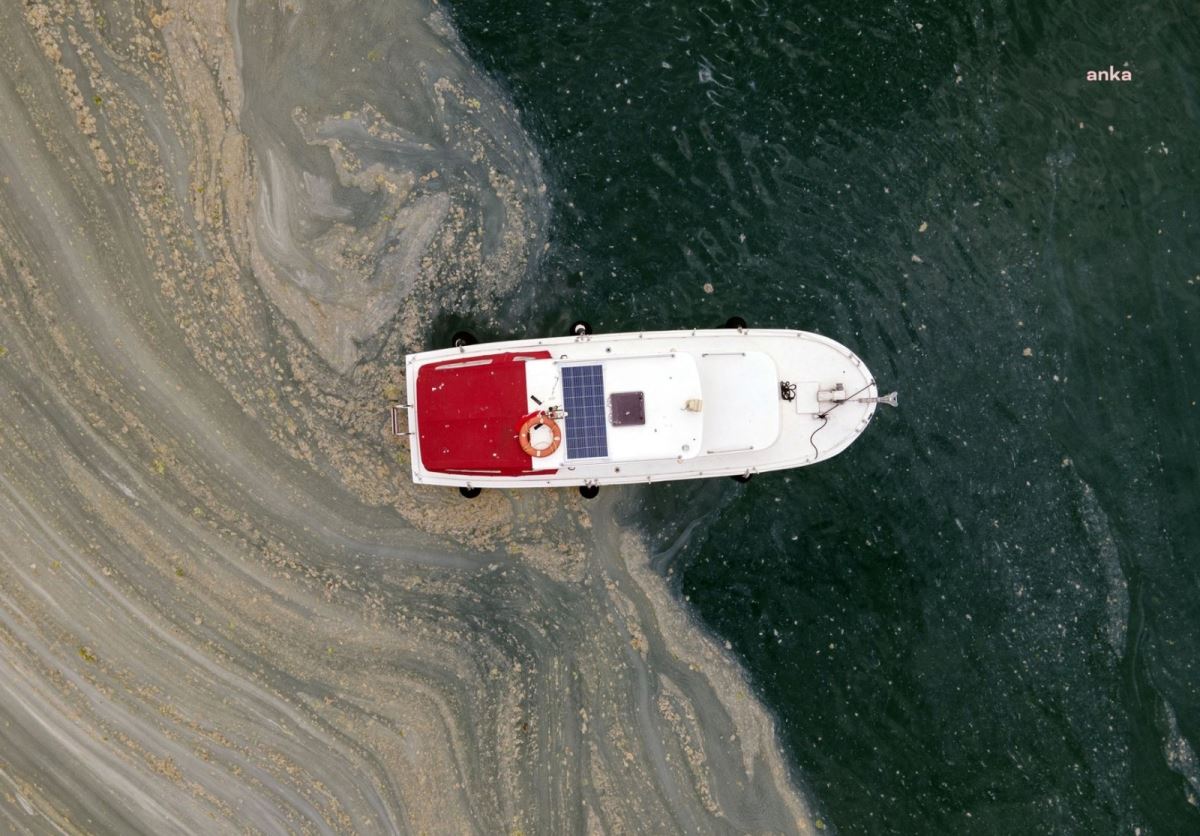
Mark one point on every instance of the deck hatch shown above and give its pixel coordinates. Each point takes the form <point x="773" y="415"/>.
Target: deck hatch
<point x="583" y="400"/>
<point x="628" y="409"/>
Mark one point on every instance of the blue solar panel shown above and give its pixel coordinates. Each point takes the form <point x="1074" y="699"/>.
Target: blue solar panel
<point x="583" y="400"/>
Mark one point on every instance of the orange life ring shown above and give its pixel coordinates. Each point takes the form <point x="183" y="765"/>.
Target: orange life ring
<point x="533" y="422"/>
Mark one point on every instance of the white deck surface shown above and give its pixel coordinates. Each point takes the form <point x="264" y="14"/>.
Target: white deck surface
<point x="741" y="401"/>
<point x="670" y="431"/>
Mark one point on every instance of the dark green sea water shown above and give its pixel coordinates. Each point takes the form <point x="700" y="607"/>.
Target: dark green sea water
<point x="985" y="616"/>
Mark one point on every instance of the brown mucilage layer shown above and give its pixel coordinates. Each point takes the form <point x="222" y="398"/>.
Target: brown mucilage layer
<point x="223" y="605"/>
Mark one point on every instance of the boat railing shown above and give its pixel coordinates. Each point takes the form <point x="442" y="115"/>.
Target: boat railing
<point x="563" y="360"/>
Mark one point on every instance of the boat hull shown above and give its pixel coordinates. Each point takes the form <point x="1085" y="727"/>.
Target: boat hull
<point x="745" y="421"/>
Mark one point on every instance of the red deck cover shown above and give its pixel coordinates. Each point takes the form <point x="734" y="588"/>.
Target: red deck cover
<point x="469" y="412"/>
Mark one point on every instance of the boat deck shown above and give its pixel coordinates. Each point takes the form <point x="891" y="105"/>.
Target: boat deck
<point x="635" y="407"/>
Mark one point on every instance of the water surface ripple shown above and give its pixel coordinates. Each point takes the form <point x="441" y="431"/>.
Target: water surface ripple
<point x="983" y="617"/>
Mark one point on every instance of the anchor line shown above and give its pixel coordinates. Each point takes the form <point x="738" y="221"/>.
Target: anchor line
<point x="824" y="416"/>
<point x="843" y="400"/>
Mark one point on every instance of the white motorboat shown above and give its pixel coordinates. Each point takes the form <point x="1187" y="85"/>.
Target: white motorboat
<point x="602" y="409"/>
